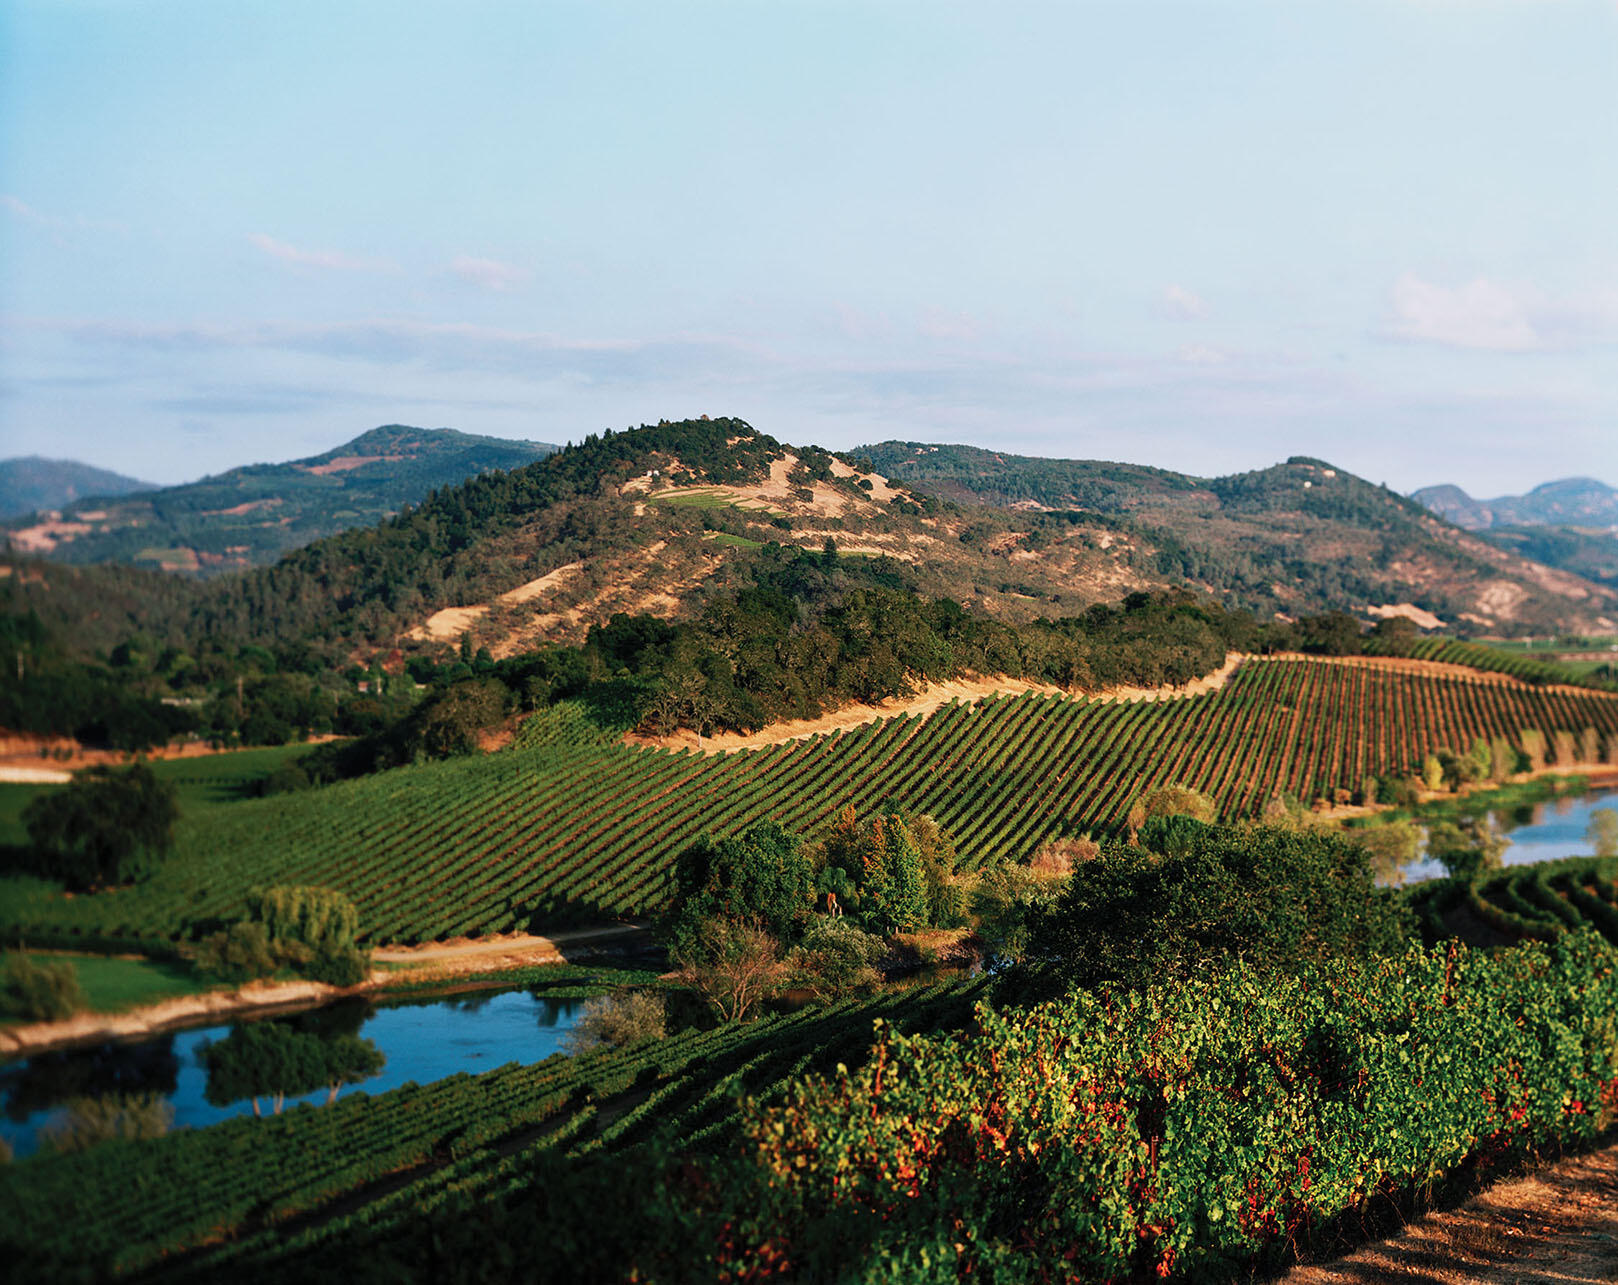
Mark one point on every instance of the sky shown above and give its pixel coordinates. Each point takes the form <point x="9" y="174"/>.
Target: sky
<point x="1204" y="236"/>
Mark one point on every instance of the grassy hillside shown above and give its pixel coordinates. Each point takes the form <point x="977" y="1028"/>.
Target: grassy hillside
<point x="1590" y="552"/>
<point x="250" y="516"/>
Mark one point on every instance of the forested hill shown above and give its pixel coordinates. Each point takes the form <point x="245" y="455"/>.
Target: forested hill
<point x="663" y="519"/>
<point x="31" y="482"/>
<point x="252" y="515"/>
<point x="1295" y="537"/>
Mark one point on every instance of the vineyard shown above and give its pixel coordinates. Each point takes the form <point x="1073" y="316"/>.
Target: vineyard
<point x="1528" y="669"/>
<point x="1534" y="902"/>
<point x="572" y="823"/>
<point x="210" y="1201"/>
<point x="1193" y="1131"/>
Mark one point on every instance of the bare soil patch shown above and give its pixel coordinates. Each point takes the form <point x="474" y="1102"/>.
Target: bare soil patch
<point x="343" y="463"/>
<point x="450" y="623"/>
<point x="1435" y="669"/>
<point x="1555" y="1227"/>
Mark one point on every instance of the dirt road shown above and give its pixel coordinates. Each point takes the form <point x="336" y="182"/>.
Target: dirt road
<point x="1555" y="1227"/>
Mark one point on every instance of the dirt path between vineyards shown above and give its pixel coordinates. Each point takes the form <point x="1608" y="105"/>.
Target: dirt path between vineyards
<point x="933" y="696"/>
<point x="427" y="963"/>
<point x="1556" y="1227"/>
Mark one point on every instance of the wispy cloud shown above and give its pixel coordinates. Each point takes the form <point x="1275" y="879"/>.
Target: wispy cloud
<point x="331" y="260"/>
<point x="21" y="208"/>
<point x="54" y="224"/>
<point x="440" y="345"/>
<point x="1179" y="304"/>
<point x="1481" y="314"/>
<point x="490" y="274"/>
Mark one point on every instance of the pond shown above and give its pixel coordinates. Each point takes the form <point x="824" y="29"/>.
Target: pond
<point x="1545" y="831"/>
<point x="420" y="1040"/>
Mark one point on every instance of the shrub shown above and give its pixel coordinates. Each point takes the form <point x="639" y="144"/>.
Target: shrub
<point x="836" y="957"/>
<point x="1172" y="800"/>
<point x="1059" y="856"/>
<point x="617" y="1021"/>
<point x="1006" y="903"/>
<point x="40" y="992"/>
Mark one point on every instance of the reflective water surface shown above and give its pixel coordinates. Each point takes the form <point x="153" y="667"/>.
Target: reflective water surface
<point x="1545" y="831"/>
<point x="420" y="1040"/>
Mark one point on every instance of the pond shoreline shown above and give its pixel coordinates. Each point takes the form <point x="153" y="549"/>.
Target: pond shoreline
<point x="422" y="967"/>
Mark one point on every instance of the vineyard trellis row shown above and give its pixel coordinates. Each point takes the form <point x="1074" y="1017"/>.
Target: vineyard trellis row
<point x="574" y="823"/>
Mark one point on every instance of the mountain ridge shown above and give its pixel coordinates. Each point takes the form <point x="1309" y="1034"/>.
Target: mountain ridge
<point x="30" y="483"/>
<point x="1298" y="536"/>
<point x="1567" y="501"/>
<point x="252" y="514"/>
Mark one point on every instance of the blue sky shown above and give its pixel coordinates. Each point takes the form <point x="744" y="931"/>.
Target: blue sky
<point x="1201" y="235"/>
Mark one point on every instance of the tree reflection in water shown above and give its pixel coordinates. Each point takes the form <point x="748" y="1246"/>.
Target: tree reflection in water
<point x="290" y="1057"/>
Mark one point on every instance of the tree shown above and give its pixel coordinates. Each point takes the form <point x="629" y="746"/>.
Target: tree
<point x="732" y="966"/>
<point x="106" y="827"/>
<point x="896" y="874"/>
<point x="1392" y="847"/>
<point x="89" y="1121"/>
<point x="449" y="722"/>
<point x="760" y="879"/>
<point x="305" y="928"/>
<point x="1274" y="898"/>
<point x="1466" y="846"/>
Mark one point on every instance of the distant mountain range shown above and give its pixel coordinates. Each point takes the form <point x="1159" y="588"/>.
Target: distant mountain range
<point x="1571" y="524"/>
<point x="30" y="483"/>
<point x="251" y="516"/>
<point x="1572" y="501"/>
<point x="1294" y="538"/>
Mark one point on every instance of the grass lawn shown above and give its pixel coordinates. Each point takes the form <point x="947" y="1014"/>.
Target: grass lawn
<point x="13" y="799"/>
<point x="211" y="778"/>
<point x="699" y="499"/>
<point x="740" y="541"/>
<point x="116" y="984"/>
